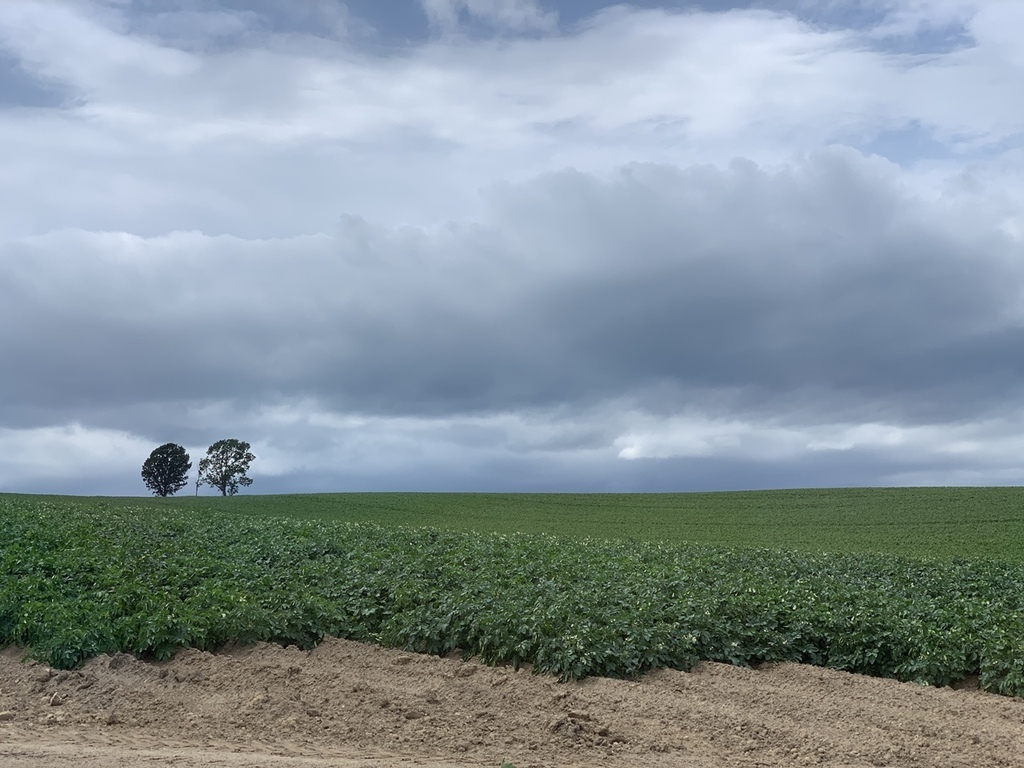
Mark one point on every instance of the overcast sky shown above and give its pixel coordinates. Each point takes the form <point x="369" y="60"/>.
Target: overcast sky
<point x="513" y="244"/>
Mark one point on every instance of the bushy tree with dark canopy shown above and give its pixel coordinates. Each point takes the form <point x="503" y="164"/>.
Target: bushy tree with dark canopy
<point x="225" y="466"/>
<point x="165" y="472"/>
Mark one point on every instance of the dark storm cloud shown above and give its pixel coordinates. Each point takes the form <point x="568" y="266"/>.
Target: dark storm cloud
<point x="810" y="288"/>
<point x="823" y="280"/>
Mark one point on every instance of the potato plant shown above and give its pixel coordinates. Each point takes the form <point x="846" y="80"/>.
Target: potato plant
<point x="77" y="580"/>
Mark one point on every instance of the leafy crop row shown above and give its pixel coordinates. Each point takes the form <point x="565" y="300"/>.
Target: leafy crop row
<point x="915" y="522"/>
<point x="76" y="581"/>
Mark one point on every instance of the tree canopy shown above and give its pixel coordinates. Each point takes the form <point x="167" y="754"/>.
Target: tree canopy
<point x="225" y="465"/>
<point x="165" y="472"/>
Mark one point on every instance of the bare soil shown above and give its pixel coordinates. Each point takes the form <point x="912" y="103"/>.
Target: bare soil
<point x="346" y="705"/>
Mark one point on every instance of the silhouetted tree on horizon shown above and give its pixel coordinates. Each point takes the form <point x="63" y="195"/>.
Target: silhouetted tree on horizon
<point x="165" y="472"/>
<point x="225" y="466"/>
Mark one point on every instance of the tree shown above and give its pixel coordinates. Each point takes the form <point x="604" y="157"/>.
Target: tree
<point x="165" y="472"/>
<point x="225" y="466"/>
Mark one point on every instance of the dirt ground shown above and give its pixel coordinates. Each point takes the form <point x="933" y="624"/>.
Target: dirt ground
<point x="346" y="705"/>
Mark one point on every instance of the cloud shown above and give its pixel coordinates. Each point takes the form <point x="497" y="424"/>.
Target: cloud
<point x="910" y="18"/>
<point x="279" y="134"/>
<point x="44" y="457"/>
<point x="824" y="278"/>
<point x="645" y="73"/>
<point x="512" y="15"/>
<point x="637" y="252"/>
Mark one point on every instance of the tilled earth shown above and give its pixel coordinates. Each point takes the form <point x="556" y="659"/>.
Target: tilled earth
<point x="345" y="704"/>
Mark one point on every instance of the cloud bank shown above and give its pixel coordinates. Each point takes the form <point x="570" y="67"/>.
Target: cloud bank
<point x="649" y="249"/>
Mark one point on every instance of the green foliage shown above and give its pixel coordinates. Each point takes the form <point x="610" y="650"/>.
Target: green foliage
<point x="77" y="579"/>
<point x="919" y="522"/>
<point x="165" y="472"/>
<point x="225" y="465"/>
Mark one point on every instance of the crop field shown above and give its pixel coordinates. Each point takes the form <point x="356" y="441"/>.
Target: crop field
<point x="79" y="577"/>
<point x="920" y="522"/>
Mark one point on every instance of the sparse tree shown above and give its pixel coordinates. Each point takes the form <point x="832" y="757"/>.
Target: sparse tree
<point x="165" y="472"/>
<point x="225" y="466"/>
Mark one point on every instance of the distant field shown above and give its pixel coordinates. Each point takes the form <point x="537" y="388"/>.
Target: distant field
<point x="920" y="522"/>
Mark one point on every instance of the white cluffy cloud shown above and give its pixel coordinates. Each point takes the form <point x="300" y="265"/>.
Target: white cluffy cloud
<point x="45" y="457"/>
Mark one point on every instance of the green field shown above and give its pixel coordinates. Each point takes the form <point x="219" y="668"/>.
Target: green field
<point x="921" y="522"/>
<point x="916" y="584"/>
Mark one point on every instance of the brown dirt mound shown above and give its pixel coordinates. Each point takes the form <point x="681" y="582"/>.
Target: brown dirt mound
<point x="345" y="704"/>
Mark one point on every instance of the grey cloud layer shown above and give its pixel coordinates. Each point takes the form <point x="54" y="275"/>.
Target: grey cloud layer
<point x="509" y="251"/>
<point x="807" y="288"/>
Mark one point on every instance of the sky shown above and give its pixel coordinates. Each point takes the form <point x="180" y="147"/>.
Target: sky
<point x="513" y="245"/>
